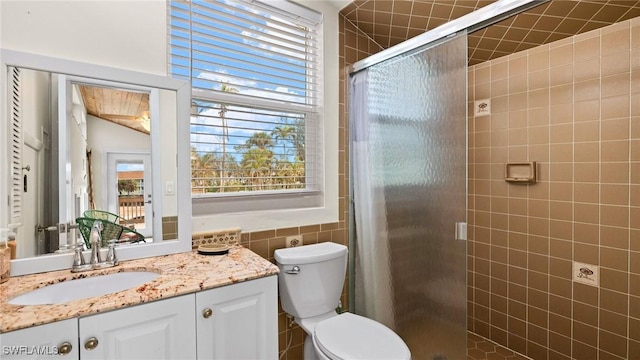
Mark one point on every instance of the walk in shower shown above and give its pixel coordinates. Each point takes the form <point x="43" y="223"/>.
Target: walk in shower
<point x="408" y="176"/>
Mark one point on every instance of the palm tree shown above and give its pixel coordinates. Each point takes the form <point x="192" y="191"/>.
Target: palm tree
<point x="283" y="132"/>
<point x="203" y="171"/>
<point x="225" y="133"/>
<point x="299" y="138"/>
<point x="257" y="162"/>
<point x="261" y="140"/>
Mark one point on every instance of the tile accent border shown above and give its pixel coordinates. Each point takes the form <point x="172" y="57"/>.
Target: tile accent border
<point x="227" y="236"/>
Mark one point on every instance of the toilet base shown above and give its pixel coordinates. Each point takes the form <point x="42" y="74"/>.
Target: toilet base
<point x="311" y="351"/>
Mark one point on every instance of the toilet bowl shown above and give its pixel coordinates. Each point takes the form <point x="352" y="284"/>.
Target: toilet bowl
<point x="349" y="336"/>
<point x="310" y="282"/>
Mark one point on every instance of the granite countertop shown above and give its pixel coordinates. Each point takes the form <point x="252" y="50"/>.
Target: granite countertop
<point x="180" y="274"/>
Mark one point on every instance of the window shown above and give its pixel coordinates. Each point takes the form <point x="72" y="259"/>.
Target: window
<point x="256" y="115"/>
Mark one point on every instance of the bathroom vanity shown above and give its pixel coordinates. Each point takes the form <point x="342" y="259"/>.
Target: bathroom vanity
<point x="200" y="307"/>
<point x="206" y="307"/>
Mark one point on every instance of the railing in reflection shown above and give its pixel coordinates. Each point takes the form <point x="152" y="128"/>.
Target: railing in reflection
<point x="131" y="208"/>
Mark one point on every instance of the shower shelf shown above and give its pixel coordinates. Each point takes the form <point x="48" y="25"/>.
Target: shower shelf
<point x="521" y="172"/>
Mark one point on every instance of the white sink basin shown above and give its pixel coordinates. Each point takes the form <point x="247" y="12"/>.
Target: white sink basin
<point x="84" y="288"/>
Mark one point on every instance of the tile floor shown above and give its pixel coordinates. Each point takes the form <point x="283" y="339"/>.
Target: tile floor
<point x="479" y="348"/>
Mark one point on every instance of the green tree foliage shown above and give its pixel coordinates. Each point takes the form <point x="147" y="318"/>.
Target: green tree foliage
<point x="259" y="168"/>
<point x="127" y="185"/>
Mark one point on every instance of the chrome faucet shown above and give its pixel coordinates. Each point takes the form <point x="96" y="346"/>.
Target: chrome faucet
<point x="95" y="239"/>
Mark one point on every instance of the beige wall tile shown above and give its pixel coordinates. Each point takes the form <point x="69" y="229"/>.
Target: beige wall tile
<point x="517" y="65"/>
<point x="482" y="74"/>
<point x="616" y="63"/>
<point x="615" y="107"/>
<point x="614" y="194"/>
<point x="612" y="151"/>
<point x="561" y="210"/>
<point x="562" y="113"/>
<point x="617" y="129"/>
<point x="538" y="79"/>
<point x="587" y="48"/>
<point x="561" y="55"/>
<point x="586" y="131"/>
<point x="586" y="151"/>
<point x="499" y="70"/>
<point x="586" y="192"/>
<point x="616" y="41"/>
<point x="586" y="213"/>
<point x="561" y="75"/>
<point x="587" y="172"/>
<point x="615" y="237"/>
<point x="587" y="110"/>
<point x="587" y="90"/>
<point x="562" y="133"/>
<point x="573" y="107"/>
<point x="615" y="85"/>
<point x="562" y="94"/>
<point x="561" y="153"/>
<point x="586" y="70"/>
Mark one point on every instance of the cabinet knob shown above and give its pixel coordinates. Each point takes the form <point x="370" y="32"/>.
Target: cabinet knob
<point x="64" y="348"/>
<point x="207" y="313"/>
<point x="91" y="344"/>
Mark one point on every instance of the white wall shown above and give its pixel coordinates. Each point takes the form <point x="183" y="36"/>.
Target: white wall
<point x="124" y="34"/>
<point x="79" y="178"/>
<point x="106" y="136"/>
<point x="35" y="97"/>
<point x="133" y="35"/>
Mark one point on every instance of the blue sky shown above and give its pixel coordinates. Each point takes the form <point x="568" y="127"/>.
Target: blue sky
<point x="220" y="49"/>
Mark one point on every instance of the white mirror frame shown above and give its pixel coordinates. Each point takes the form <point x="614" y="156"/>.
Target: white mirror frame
<point x="183" y="188"/>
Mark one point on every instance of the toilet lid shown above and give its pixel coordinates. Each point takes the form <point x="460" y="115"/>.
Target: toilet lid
<point x="350" y="336"/>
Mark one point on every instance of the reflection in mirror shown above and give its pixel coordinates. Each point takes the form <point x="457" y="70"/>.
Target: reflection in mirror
<point x="100" y="118"/>
<point x="101" y="136"/>
<point x="87" y="141"/>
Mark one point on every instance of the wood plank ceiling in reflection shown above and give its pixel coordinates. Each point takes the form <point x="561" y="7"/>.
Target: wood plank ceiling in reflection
<point x="391" y="22"/>
<point x="126" y="108"/>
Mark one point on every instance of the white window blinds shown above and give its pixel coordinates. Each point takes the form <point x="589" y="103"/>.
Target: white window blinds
<point x="256" y="93"/>
<point x="258" y="50"/>
<point x="15" y="146"/>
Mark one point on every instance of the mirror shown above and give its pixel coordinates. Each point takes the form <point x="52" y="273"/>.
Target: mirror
<point x="101" y="132"/>
<point x="93" y="137"/>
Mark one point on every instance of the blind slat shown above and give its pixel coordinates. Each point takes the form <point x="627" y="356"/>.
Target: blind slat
<point x="15" y="196"/>
<point x="255" y="91"/>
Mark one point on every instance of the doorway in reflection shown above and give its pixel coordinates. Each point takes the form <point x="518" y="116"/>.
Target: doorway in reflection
<point x="130" y="189"/>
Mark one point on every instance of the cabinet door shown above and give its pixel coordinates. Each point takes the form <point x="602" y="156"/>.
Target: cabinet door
<point x="48" y="341"/>
<point x="158" y="330"/>
<point x="242" y="321"/>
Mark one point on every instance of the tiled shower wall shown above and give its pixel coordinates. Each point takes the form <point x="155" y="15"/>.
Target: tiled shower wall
<point x="574" y="107"/>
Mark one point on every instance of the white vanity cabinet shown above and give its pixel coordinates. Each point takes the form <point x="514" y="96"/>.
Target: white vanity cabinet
<point x="48" y="341"/>
<point x="238" y="321"/>
<point x="163" y="329"/>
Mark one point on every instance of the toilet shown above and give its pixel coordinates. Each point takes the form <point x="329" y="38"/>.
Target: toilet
<point x="310" y="282"/>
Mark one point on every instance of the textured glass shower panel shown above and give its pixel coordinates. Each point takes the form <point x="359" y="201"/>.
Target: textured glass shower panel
<point x="417" y="107"/>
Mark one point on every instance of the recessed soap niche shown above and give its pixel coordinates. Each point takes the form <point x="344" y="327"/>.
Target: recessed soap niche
<point x="521" y="172"/>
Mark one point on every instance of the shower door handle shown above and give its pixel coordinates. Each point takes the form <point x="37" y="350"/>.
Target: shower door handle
<point x="461" y="231"/>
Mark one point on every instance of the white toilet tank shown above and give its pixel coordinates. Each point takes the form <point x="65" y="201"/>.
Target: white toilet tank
<point x="311" y="278"/>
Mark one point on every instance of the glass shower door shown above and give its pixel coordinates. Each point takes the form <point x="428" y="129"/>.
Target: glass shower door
<point x="409" y="188"/>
